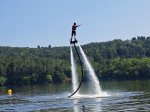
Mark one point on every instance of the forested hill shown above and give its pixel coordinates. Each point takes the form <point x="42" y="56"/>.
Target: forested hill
<point x="117" y="59"/>
<point x="135" y="48"/>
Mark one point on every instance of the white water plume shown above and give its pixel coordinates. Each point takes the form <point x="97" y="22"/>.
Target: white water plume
<point x="94" y="80"/>
<point x="74" y="73"/>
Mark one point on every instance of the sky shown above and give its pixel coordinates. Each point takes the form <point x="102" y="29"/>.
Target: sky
<point x="29" y="23"/>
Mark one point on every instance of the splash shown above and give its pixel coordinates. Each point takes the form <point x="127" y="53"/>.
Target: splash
<point x="92" y="76"/>
<point x="94" y="89"/>
<point x="73" y="70"/>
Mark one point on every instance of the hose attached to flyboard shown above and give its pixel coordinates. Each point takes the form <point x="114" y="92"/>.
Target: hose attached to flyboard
<point x="81" y="71"/>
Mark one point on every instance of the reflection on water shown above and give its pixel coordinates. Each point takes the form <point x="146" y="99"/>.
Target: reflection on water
<point x="133" y="96"/>
<point x="84" y="105"/>
<point x="76" y="107"/>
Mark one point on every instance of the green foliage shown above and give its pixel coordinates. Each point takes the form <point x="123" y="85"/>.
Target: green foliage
<point x="27" y="80"/>
<point x="125" y="69"/>
<point x="33" y="78"/>
<point x="49" y="78"/>
<point x="2" y="80"/>
<point x="117" y="59"/>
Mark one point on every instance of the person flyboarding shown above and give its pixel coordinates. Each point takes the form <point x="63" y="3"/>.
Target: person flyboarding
<point x="73" y="34"/>
<point x="73" y="41"/>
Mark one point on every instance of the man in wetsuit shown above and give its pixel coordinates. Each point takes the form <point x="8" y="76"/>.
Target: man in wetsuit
<point x="73" y="34"/>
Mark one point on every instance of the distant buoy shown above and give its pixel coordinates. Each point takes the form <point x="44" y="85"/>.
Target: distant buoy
<point x="9" y="92"/>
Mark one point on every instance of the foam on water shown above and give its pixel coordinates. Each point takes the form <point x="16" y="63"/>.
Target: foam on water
<point x="102" y="94"/>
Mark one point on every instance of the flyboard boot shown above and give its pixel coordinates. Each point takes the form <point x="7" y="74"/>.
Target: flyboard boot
<point x="73" y="42"/>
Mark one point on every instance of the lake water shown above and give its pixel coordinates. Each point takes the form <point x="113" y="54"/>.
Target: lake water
<point x="123" y="96"/>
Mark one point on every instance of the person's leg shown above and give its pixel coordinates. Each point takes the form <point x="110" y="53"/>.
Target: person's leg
<point x="71" y="36"/>
<point x="75" y="36"/>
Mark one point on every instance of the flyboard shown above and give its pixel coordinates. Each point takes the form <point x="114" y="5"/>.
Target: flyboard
<point x="74" y="43"/>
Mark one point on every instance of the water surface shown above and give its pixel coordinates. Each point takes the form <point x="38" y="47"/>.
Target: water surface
<point x="128" y="96"/>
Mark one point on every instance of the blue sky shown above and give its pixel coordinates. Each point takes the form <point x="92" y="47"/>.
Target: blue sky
<point x="28" y="23"/>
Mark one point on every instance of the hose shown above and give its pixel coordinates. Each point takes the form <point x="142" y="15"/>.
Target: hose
<point x="81" y="71"/>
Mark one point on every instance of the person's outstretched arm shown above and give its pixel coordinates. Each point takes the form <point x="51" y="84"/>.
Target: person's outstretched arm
<point x="78" y="25"/>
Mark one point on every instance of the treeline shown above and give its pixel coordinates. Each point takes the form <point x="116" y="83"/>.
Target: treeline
<point x="136" y="48"/>
<point x="34" y="65"/>
<point x="123" y="69"/>
<point x="117" y="59"/>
